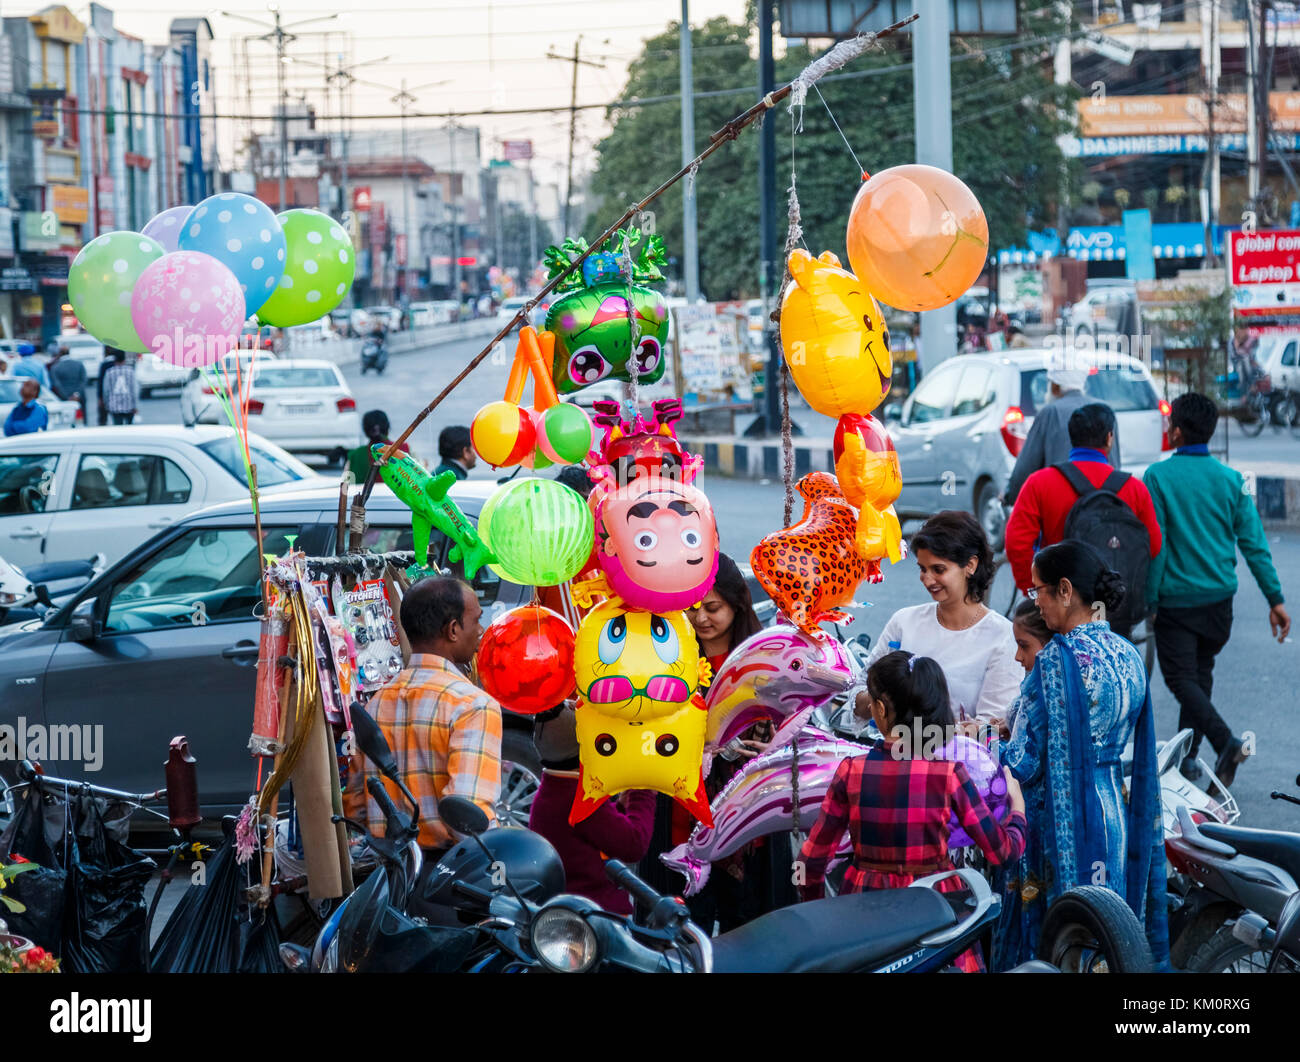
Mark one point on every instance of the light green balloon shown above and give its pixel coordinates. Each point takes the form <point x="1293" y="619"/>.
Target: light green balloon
<point x="318" y="269"/>
<point x="540" y="529"/>
<point x="100" y="282"/>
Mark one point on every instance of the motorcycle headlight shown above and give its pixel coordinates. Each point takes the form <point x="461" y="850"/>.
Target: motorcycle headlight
<point x="330" y="963"/>
<point x="563" y="941"/>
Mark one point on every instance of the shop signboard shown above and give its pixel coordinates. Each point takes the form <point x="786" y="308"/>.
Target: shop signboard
<point x="1264" y="270"/>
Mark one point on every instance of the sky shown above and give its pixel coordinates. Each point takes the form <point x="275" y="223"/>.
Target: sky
<point x="491" y="53"/>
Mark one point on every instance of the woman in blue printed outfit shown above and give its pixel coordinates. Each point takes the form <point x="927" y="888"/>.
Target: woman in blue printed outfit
<point x="1086" y="696"/>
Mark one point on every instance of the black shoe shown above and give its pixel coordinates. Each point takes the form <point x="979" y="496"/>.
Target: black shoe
<point x="1225" y="767"/>
<point x="1191" y="769"/>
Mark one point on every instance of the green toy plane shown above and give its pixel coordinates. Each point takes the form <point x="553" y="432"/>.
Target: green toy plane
<point x="426" y="497"/>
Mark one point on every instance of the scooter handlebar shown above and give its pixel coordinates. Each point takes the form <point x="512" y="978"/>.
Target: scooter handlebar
<point x="622" y="876"/>
<point x="376" y="789"/>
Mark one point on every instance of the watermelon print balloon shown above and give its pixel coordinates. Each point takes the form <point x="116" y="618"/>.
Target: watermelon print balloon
<point x="242" y="234"/>
<point x="318" y="270"/>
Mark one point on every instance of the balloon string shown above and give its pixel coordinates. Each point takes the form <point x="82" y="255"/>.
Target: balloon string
<point x="861" y="171"/>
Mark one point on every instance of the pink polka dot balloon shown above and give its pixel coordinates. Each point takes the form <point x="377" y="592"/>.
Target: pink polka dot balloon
<point x="188" y="309"/>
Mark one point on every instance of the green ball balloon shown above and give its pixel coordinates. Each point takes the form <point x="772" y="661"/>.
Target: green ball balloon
<point x="318" y="269"/>
<point x="540" y="529"/>
<point x="100" y="281"/>
<point x="565" y="435"/>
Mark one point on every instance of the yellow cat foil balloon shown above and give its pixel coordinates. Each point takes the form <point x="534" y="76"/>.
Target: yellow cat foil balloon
<point x="835" y="337"/>
<point x="636" y="665"/>
<point x="665" y="753"/>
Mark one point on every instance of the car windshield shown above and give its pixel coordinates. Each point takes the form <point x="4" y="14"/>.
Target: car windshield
<point x="272" y="468"/>
<point x="294" y="377"/>
<point x="1125" y="390"/>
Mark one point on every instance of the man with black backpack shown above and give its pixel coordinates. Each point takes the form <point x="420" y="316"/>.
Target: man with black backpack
<point x="1086" y="498"/>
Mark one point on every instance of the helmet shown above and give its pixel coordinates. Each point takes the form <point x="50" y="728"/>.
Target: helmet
<point x="531" y="864"/>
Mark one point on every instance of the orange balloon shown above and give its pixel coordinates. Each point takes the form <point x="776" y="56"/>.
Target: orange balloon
<point x="917" y="237"/>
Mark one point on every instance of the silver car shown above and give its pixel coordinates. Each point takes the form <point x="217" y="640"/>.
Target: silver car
<point x="959" y="432"/>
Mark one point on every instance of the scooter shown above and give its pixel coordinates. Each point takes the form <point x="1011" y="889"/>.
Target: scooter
<point x="29" y="593"/>
<point x="1223" y="875"/>
<point x="374" y="355"/>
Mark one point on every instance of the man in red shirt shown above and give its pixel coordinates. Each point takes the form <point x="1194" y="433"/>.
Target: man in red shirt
<point x="1045" y="501"/>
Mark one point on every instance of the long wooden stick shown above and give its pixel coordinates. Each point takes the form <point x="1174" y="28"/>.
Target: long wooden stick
<point x="728" y="132"/>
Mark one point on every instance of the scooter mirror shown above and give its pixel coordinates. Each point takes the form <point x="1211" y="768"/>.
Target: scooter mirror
<point x="462" y="815"/>
<point x="371" y="741"/>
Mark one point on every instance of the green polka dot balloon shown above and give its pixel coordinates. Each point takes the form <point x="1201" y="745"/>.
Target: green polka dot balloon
<point x="318" y="269"/>
<point x="100" y="282"/>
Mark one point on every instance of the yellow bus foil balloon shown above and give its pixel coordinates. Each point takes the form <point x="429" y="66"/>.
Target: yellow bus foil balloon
<point x="835" y="338"/>
<point x="665" y="754"/>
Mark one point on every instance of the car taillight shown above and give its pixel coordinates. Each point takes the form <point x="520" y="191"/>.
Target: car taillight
<point x="208" y="389"/>
<point x="1164" y="426"/>
<point x="78" y="415"/>
<point x="346" y="405"/>
<point x="1014" y="431"/>
<point x="256" y="405"/>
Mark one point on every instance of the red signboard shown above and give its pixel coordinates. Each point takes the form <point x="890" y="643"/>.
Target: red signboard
<point x="1264" y="270"/>
<point x="361" y="198"/>
<point x="399" y="247"/>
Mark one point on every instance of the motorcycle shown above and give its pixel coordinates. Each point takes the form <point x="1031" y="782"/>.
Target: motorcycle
<point x="1230" y="883"/>
<point x="29" y="593"/>
<point x="374" y="355"/>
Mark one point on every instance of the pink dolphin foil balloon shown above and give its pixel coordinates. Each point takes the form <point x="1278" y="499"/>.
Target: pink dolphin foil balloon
<point x="774" y="674"/>
<point x="756" y="802"/>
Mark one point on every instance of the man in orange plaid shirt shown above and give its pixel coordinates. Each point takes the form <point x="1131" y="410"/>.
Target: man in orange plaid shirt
<point x="444" y="730"/>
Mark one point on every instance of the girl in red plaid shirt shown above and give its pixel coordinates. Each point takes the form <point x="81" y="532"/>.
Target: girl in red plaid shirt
<point x="896" y="806"/>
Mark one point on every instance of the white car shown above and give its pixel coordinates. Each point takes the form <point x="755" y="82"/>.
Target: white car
<point x="137" y="479"/>
<point x="199" y="404"/>
<point x="62" y="414"/>
<point x="84" y="348"/>
<point x="304" y="405"/>
<point x="360" y="322"/>
<point x="153" y="372"/>
<point x="1278" y="356"/>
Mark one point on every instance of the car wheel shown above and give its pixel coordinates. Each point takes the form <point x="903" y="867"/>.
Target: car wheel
<point x="521" y="776"/>
<point x="988" y="510"/>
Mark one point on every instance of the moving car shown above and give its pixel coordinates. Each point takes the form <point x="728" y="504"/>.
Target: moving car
<point x="62" y="414"/>
<point x="304" y="405"/>
<point x="199" y="403"/>
<point x="958" y="434"/>
<point x="66" y="495"/>
<point x="153" y="373"/>
<point x="131" y="635"/>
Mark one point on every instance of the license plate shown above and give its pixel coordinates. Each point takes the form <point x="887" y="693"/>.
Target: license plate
<point x="298" y="411"/>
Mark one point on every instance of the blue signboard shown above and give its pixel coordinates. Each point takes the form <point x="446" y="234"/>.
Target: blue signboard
<point x="1170" y="144"/>
<point x="1139" y="253"/>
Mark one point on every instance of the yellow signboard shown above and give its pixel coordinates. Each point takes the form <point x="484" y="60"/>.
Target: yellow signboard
<point x="1179" y="115"/>
<point x="70" y="203"/>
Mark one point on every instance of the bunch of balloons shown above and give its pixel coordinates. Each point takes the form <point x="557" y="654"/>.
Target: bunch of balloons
<point x="184" y="286"/>
<point x="917" y="239"/>
<point x="551" y="432"/>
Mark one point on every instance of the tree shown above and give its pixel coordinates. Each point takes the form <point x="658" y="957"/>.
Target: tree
<point x="516" y="239"/>
<point x="1007" y="115"/>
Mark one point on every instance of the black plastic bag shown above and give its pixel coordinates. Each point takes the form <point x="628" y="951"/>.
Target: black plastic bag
<point x="41" y="891"/>
<point x="104" y="920"/>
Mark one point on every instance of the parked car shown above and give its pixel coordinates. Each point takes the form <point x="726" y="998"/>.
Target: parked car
<point x="131" y="636"/>
<point x="260" y="336"/>
<point x="305" y="405"/>
<point x="199" y="403"/>
<point x="137" y="479"/>
<point x="13" y="349"/>
<point x="360" y="323"/>
<point x="153" y="373"/>
<point x="84" y="348"/>
<point x="306" y="340"/>
<point x="1277" y="356"/>
<point x="959" y="432"/>
<point x="1107" y="309"/>
<point x="389" y="315"/>
<point x="62" y="414"/>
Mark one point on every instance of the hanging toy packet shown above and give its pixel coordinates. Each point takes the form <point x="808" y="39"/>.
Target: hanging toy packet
<point x="368" y="618"/>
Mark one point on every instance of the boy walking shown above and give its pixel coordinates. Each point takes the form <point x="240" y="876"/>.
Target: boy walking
<point x="1207" y="515"/>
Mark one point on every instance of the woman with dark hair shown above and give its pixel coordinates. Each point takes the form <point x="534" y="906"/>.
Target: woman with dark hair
<point x="973" y="644"/>
<point x="1086" y="696"/>
<point x="726" y="616"/>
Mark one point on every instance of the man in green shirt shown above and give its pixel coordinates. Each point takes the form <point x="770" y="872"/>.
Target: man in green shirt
<point x="1207" y="514"/>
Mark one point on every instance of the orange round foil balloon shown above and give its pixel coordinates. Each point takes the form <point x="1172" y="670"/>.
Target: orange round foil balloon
<point x="917" y="237"/>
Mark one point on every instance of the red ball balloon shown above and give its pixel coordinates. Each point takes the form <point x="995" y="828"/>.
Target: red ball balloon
<point x="525" y="660"/>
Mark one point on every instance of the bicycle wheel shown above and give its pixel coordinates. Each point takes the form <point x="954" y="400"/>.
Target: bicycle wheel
<point x="1253" y="414"/>
<point x="1282" y="411"/>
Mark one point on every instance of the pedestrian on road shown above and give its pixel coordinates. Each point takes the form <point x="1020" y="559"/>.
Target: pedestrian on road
<point x="68" y="379"/>
<point x="101" y="411"/>
<point x="27" y="365"/>
<point x="1075" y="499"/>
<point x="375" y="426"/>
<point x="456" y="451"/>
<point x="119" y="389"/>
<point x="28" y="415"/>
<point x="1207" y="515"/>
<point x="1048" y="442"/>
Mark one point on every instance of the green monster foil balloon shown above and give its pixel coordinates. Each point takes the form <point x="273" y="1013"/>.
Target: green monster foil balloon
<point x="595" y="335"/>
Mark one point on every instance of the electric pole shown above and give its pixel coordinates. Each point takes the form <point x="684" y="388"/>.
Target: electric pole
<point x="573" y="121"/>
<point x="690" y="232"/>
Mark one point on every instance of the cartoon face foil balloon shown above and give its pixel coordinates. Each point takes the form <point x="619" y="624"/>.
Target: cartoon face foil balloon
<point x="593" y="321"/>
<point x="636" y="665"/>
<point x="835" y="338"/>
<point x="866" y="465"/>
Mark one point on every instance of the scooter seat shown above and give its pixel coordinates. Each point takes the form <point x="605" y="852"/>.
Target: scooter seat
<point x="841" y="934"/>
<point x="1272" y="846"/>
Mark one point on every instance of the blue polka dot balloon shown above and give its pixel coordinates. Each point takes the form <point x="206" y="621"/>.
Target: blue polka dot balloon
<point x="245" y="236"/>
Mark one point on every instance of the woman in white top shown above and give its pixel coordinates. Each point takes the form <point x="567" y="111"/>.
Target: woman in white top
<point x="973" y="644"/>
